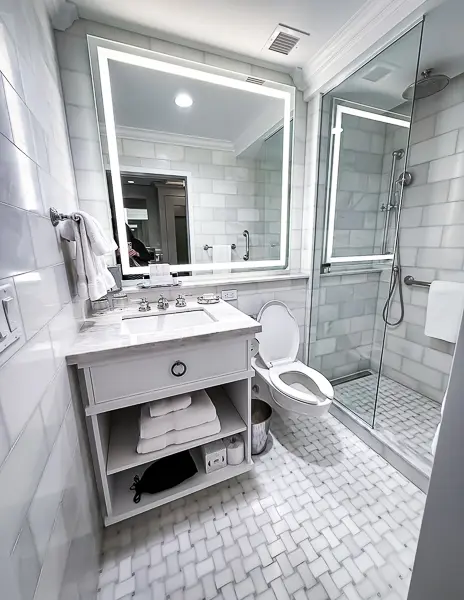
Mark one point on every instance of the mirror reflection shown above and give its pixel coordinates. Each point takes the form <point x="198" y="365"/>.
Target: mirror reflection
<point x="201" y="168"/>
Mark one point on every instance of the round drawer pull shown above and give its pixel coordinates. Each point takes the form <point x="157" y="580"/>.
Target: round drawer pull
<point x="178" y="368"/>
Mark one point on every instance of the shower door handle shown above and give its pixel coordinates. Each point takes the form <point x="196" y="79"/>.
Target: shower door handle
<point x="246" y="235"/>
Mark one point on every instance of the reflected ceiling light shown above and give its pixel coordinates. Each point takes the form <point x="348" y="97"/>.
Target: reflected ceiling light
<point x="130" y="181"/>
<point x="183" y="100"/>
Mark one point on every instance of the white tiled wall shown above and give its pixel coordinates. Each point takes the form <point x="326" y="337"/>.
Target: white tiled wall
<point x="342" y="306"/>
<point x="359" y="187"/>
<point x="431" y="247"/>
<point x="252" y="296"/>
<point x="431" y="240"/>
<point x="82" y="119"/>
<point x="227" y="194"/>
<point x="47" y="504"/>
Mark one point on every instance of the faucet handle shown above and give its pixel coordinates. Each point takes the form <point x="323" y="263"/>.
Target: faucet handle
<point x="144" y="305"/>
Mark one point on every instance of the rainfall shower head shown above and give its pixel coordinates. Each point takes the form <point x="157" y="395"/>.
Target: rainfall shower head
<point x="426" y="86"/>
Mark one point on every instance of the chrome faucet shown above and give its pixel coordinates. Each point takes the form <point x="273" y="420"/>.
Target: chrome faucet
<point x="144" y="305"/>
<point x="180" y="301"/>
<point x="163" y="303"/>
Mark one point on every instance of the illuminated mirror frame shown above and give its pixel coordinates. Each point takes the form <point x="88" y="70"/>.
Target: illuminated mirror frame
<point x="143" y="58"/>
<point x="336" y="132"/>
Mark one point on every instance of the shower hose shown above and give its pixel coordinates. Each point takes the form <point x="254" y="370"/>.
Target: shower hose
<point x="396" y="283"/>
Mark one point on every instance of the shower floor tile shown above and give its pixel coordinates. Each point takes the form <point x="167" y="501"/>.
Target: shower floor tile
<point x="320" y="517"/>
<point x="404" y="416"/>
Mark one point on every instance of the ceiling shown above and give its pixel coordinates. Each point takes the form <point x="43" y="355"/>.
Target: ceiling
<point x="239" y="27"/>
<point x="218" y="112"/>
<point x="441" y="50"/>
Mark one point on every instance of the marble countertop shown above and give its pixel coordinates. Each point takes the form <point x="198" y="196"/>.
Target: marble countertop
<point x="105" y="333"/>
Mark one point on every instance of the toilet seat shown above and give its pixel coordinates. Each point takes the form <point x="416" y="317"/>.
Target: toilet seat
<point x="323" y="385"/>
<point x="278" y="348"/>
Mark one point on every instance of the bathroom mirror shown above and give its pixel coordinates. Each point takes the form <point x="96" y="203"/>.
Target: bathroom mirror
<point x="198" y="161"/>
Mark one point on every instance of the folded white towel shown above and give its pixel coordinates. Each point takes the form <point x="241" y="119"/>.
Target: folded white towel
<point x="200" y="411"/>
<point x="93" y="278"/>
<point x="159" y="408"/>
<point x="179" y="437"/>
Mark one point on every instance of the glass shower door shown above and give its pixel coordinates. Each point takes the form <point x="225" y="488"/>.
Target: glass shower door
<point x="364" y="142"/>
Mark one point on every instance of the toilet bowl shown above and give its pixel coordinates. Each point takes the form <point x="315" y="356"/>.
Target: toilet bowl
<point x="293" y="386"/>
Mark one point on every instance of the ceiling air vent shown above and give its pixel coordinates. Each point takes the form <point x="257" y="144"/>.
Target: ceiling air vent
<point x="377" y="73"/>
<point x="255" y="80"/>
<point x="284" y="39"/>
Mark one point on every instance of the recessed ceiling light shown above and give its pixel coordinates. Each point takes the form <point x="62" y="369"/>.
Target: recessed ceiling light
<point x="130" y="181"/>
<point x="183" y="100"/>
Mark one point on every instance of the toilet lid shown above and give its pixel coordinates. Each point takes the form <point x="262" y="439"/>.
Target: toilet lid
<point x="280" y="337"/>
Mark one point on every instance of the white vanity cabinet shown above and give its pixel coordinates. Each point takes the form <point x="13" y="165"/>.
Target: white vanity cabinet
<point x="115" y="382"/>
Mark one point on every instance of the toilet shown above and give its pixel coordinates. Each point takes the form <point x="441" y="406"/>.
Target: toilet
<point x="292" y="386"/>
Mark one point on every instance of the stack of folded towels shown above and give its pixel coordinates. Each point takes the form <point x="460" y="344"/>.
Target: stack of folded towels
<point x="177" y="420"/>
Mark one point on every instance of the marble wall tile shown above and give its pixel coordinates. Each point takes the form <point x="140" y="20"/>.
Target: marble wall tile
<point x="36" y="173"/>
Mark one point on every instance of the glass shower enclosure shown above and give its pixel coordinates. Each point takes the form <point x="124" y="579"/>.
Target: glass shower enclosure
<point x="366" y="332"/>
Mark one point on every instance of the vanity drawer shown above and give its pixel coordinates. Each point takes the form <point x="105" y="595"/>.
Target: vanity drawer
<point x="158" y="371"/>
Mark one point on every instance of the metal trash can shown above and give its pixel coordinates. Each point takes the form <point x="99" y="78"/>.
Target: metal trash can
<point x="261" y="414"/>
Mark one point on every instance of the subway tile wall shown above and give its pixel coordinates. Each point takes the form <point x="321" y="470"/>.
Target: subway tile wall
<point x="431" y="240"/>
<point x="359" y="187"/>
<point x="431" y="247"/>
<point x="83" y="126"/>
<point x="251" y="297"/>
<point x="342" y="307"/>
<point x="49" y="529"/>
<point x="227" y="194"/>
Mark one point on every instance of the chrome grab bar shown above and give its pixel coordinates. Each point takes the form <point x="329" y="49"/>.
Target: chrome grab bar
<point x="246" y="235"/>
<point x="409" y="280"/>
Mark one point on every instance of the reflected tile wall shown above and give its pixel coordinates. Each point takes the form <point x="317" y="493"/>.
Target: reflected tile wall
<point x="47" y="504"/>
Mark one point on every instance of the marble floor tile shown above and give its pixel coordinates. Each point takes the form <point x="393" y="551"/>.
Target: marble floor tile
<point x="321" y="516"/>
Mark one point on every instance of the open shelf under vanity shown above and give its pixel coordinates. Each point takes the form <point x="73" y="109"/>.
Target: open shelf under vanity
<point x="123" y="505"/>
<point x="114" y="388"/>
<point x="124" y="434"/>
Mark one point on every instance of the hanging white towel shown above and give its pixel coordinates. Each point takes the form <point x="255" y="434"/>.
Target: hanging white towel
<point x="202" y="410"/>
<point x="444" y="310"/>
<point x="222" y="253"/>
<point x="158" y="408"/>
<point x="93" y="277"/>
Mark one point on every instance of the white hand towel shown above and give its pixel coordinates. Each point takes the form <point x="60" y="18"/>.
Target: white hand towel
<point x="222" y="253"/>
<point x="200" y="411"/>
<point x="158" y="408"/>
<point x="179" y="437"/>
<point x="444" y="310"/>
<point x="93" y="278"/>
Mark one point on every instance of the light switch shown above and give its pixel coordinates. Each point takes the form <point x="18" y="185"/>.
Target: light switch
<point x="10" y="329"/>
<point x="9" y="308"/>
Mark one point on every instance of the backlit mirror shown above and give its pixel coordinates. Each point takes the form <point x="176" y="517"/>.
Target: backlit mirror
<point x="198" y="162"/>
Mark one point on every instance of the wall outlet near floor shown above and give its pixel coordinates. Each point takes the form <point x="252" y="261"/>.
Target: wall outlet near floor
<point x="229" y="295"/>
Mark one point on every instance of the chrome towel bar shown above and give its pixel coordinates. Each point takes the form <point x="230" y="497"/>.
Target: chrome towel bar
<point x="206" y="247"/>
<point x="56" y="217"/>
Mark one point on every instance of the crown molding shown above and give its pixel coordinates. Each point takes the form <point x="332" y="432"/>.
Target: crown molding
<point x="360" y="39"/>
<point x="161" y="137"/>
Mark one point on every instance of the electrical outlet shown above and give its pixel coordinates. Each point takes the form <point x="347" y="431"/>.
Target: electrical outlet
<point x="229" y="295"/>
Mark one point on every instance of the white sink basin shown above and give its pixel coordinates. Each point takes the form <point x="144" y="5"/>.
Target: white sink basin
<point x="138" y="325"/>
